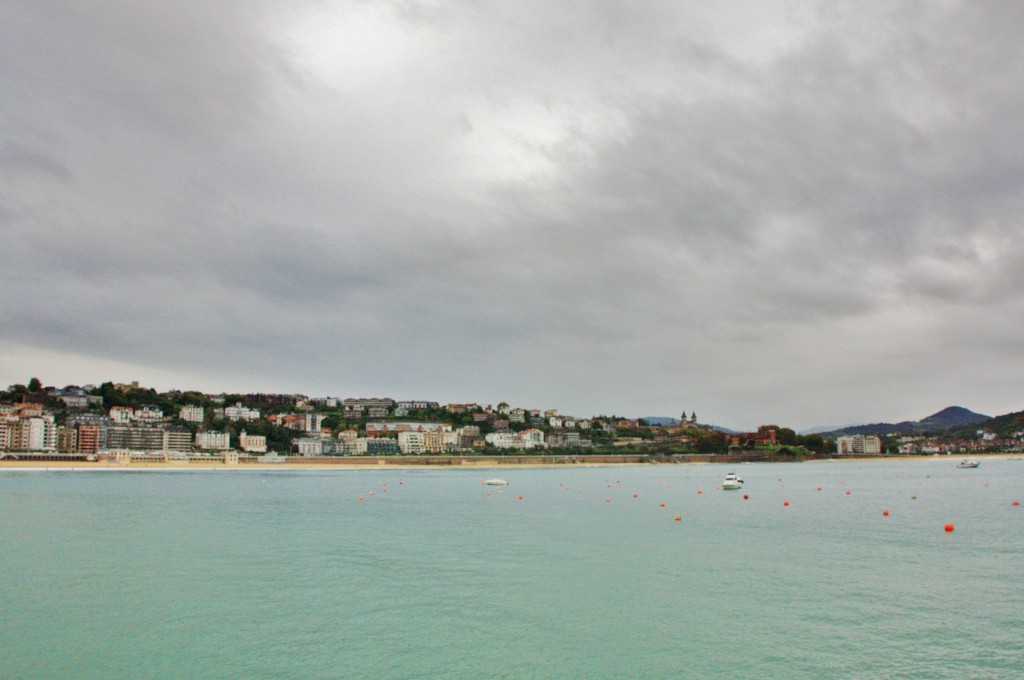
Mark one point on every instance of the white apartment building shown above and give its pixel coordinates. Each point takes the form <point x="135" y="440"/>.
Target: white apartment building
<point x="239" y="412"/>
<point x="150" y="415"/>
<point x="213" y="441"/>
<point x="411" y="443"/>
<point x="191" y="414"/>
<point x="122" y="415"/>
<point x="858" y="444"/>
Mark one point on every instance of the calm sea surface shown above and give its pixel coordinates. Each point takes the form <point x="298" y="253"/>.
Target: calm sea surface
<point x="289" y="575"/>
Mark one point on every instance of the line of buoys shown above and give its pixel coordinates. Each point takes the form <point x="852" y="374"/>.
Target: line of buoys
<point x="949" y="528"/>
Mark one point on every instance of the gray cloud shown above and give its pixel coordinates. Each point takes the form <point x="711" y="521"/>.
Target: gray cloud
<point x="805" y="215"/>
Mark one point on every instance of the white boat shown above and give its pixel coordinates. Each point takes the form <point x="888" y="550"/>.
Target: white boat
<point x="968" y="463"/>
<point x="496" y="482"/>
<point x="732" y="481"/>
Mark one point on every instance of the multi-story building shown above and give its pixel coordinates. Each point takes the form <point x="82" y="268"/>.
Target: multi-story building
<point x="67" y="439"/>
<point x="88" y="438"/>
<point x="253" y="443"/>
<point x="313" y="446"/>
<point x="239" y="412"/>
<point x="411" y="443"/>
<point x="177" y="440"/>
<point x="859" y="444"/>
<point x="135" y="437"/>
<point x="191" y="413"/>
<point x="382" y="446"/>
<point x="149" y="415"/>
<point x="213" y="441"/>
<point x="122" y="415"/>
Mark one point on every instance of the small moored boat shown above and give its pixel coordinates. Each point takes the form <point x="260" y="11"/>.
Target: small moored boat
<point x="968" y="463"/>
<point x="496" y="482"/>
<point x="732" y="481"/>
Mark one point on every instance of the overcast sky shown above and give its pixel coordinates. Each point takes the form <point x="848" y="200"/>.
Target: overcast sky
<point x="804" y="214"/>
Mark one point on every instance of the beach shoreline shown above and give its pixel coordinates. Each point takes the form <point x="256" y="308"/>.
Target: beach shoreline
<point x="467" y="464"/>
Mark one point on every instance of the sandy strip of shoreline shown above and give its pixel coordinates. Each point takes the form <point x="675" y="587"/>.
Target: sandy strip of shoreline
<point x="79" y="466"/>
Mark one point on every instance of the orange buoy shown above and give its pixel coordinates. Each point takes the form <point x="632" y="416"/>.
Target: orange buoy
<point x="678" y="518"/>
<point x="519" y="498"/>
<point x="913" y="498"/>
<point x="885" y="513"/>
<point x="949" y="528"/>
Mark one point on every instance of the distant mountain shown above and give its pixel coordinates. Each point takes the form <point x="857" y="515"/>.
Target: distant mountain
<point x="1005" y="426"/>
<point x="947" y="418"/>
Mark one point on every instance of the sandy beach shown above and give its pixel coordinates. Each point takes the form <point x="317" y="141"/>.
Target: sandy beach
<point x="371" y="464"/>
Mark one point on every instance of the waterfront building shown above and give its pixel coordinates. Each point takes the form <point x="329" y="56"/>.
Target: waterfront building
<point x="858" y="444"/>
<point x="67" y="439"/>
<point x="252" y="443"/>
<point x="179" y="440"/>
<point x="88" y="438"/>
<point x="213" y="441"/>
<point x="411" y="443"/>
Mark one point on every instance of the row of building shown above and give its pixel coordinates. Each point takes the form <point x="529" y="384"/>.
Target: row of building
<point x="38" y="432"/>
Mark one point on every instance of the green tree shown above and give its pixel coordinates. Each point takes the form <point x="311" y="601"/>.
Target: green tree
<point x="34" y="386"/>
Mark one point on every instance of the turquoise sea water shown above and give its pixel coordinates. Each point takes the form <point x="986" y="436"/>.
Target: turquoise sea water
<point x="288" y="575"/>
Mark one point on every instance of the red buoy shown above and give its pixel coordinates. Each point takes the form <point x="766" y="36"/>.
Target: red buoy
<point x="745" y="496"/>
<point x="519" y="498"/>
<point x="885" y="513"/>
<point x="699" y="492"/>
<point x="662" y="505"/>
<point x="607" y="500"/>
<point x="1015" y="503"/>
<point x="949" y="528"/>
<point x="360" y="499"/>
<point x="847" y="493"/>
<point x="786" y="503"/>
<point x="819" y="488"/>
<point x="634" y="495"/>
